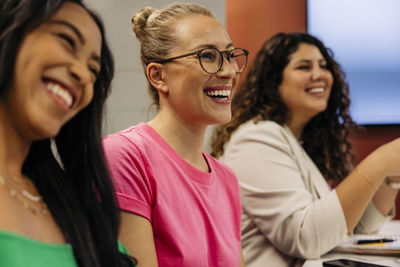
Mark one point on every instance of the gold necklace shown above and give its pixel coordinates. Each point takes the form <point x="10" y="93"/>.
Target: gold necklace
<point x="24" y="196"/>
<point x="24" y="192"/>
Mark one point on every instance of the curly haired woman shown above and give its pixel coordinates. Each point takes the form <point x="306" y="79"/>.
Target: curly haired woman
<point x="287" y="143"/>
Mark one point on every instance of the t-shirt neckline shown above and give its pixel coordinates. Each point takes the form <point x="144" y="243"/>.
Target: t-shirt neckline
<point x="195" y="174"/>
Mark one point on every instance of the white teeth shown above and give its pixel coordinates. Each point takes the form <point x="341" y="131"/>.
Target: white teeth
<point x="316" y="90"/>
<point x="61" y="92"/>
<point x="218" y="92"/>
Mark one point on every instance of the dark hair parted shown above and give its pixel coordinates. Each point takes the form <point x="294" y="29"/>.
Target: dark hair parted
<point x="79" y="193"/>
<point x="155" y="30"/>
<point x="325" y="137"/>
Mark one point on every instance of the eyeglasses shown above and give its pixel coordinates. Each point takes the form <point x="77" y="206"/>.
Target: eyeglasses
<point x="211" y="59"/>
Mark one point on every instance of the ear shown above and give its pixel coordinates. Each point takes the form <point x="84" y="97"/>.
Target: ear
<point x="156" y="76"/>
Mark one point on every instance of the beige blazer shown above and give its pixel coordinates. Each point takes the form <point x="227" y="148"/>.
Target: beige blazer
<point x="289" y="211"/>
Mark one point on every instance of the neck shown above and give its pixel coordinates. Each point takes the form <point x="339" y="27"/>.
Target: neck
<point x="186" y="139"/>
<point x="296" y="126"/>
<point x="14" y="148"/>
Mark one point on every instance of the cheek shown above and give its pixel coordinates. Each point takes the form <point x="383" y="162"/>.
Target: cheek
<point x="87" y="97"/>
<point x="282" y="93"/>
<point x="236" y="81"/>
<point x="288" y="85"/>
<point x="330" y="79"/>
<point x="289" y="92"/>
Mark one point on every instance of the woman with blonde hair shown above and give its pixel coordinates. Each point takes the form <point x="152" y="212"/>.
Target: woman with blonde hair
<point x="180" y="206"/>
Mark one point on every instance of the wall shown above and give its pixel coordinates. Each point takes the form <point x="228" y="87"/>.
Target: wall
<point x="251" y="22"/>
<point x="128" y="103"/>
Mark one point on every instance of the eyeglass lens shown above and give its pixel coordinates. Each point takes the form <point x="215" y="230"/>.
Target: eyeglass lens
<point x="211" y="59"/>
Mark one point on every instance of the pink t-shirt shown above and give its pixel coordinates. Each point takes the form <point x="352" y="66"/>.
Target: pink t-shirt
<point x="195" y="215"/>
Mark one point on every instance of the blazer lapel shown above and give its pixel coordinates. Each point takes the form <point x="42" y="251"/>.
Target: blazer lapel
<point x="312" y="177"/>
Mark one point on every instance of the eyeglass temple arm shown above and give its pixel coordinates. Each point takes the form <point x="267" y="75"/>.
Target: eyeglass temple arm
<point x="177" y="57"/>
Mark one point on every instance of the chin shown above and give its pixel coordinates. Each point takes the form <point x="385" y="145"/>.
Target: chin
<point x="223" y="120"/>
<point x="321" y="110"/>
<point x="218" y="117"/>
<point x="47" y="132"/>
<point x="318" y="109"/>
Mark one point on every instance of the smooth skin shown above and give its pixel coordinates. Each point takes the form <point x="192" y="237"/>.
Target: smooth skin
<point x="29" y="111"/>
<point x="307" y="70"/>
<point x="184" y="115"/>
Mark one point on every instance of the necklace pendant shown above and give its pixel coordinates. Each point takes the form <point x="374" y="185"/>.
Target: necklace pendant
<point x="23" y="196"/>
<point x="13" y="193"/>
<point x="30" y="196"/>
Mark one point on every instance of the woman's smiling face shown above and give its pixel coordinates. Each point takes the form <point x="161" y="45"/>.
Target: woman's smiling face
<point x="55" y="71"/>
<point x="192" y="92"/>
<point x="306" y="83"/>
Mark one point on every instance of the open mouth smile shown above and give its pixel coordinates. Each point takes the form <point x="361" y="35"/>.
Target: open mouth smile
<point x="220" y="94"/>
<point x="63" y="95"/>
<point x="316" y="90"/>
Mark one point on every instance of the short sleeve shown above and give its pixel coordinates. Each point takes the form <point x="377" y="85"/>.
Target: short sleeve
<point x="128" y="169"/>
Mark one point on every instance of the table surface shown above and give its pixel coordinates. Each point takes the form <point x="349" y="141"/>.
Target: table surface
<point x="391" y="227"/>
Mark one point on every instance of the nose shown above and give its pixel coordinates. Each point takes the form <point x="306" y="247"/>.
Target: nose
<point x="318" y="73"/>
<point x="82" y="77"/>
<point x="80" y="72"/>
<point x="228" y="69"/>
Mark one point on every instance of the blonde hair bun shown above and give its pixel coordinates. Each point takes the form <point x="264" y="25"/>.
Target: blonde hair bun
<point x="140" y="19"/>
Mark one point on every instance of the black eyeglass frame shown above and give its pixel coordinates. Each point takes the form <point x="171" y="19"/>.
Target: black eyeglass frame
<point x="226" y="53"/>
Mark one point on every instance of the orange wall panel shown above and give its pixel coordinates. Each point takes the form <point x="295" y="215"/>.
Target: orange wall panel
<point x="366" y="140"/>
<point x="251" y="22"/>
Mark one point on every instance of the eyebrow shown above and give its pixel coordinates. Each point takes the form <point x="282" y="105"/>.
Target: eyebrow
<point x="72" y="27"/>
<point x="229" y="45"/>
<point x="78" y="33"/>
<point x="309" y="60"/>
<point x="212" y="46"/>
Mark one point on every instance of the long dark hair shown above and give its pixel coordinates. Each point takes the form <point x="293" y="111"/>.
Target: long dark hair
<point x="79" y="192"/>
<point x="325" y="136"/>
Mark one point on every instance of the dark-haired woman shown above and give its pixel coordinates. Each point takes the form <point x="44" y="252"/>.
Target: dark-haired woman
<point x="56" y="199"/>
<point x="287" y="143"/>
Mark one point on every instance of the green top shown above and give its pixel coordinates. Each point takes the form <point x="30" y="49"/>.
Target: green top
<point x="17" y="250"/>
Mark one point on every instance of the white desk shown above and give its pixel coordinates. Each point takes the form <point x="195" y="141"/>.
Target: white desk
<point x="391" y="227"/>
